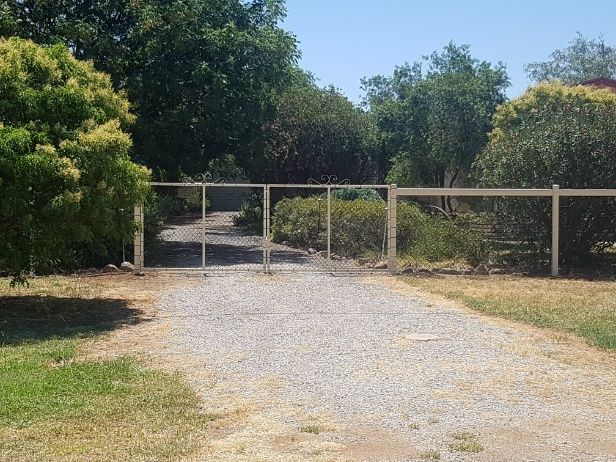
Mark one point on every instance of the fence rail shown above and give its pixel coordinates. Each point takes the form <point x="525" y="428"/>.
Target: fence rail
<point x="393" y="195"/>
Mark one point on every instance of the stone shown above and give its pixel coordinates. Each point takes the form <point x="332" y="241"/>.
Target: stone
<point x="311" y="251"/>
<point x="482" y="270"/>
<point x="421" y="337"/>
<point x="496" y="271"/>
<point x="424" y="272"/>
<point x="407" y="271"/>
<point x="335" y="257"/>
<point x="139" y="273"/>
<point x="127" y="267"/>
<point x="381" y="265"/>
<point x="450" y="271"/>
<point x="110" y="269"/>
<point x="286" y="243"/>
<point x="321" y="253"/>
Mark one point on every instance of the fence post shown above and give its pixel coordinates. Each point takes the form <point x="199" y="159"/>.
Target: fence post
<point x="265" y="227"/>
<point x="555" y="228"/>
<point x="138" y="240"/>
<point x="391" y="228"/>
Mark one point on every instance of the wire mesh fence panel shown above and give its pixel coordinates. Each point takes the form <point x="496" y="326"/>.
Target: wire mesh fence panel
<point x="234" y="238"/>
<point x="313" y="230"/>
<point x="359" y="228"/>
<point x="459" y="234"/>
<point x="173" y="228"/>
<point x="588" y="235"/>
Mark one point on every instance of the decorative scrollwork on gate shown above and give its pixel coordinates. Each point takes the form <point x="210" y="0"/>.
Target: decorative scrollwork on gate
<point x="205" y="178"/>
<point x="327" y="180"/>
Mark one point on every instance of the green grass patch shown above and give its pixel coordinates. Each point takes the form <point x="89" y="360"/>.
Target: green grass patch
<point x="585" y="308"/>
<point x="55" y="406"/>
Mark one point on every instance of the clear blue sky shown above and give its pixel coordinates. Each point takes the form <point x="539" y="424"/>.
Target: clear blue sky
<point x="345" y="40"/>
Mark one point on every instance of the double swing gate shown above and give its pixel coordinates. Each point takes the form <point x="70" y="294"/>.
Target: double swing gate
<point x="212" y="226"/>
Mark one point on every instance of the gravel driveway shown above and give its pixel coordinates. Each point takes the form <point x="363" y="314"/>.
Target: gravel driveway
<point x="317" y="367"/>
<point x="179" y="245"/>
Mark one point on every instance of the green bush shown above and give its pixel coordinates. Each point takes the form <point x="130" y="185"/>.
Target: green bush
<point x="555" y="134"/>
<point x="351" y="194"/>
<point x="359" y="230"/>
<point x="250" y="217"/>
<point x="67" y="181"/>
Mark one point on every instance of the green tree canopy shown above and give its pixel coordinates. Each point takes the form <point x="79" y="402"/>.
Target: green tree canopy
<point x="556" y="134"/>
<point x="433" y="123"/>
<point x="202" y="74"/>
<point x="583" y="59"/>
<point x="66" y="177"/>
<point x="318" y="132"/>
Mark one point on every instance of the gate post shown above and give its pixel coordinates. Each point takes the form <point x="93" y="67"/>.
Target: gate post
<point x="555" y="229"/>
<point x="391" y="227"/>
<point x="138" y="240"/>
<point x="203" y="226"/>
<point x="329" y="223"/>
<point x="266" y="212"/>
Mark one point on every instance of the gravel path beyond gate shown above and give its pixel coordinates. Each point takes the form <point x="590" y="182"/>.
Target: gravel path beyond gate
<point x="333" y="368"/>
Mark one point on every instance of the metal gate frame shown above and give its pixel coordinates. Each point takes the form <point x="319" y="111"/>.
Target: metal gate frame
<point x="328" y="183"/>
<point x="267" y="266"/>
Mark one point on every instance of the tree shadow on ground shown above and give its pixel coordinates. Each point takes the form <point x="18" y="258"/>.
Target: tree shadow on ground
<point x="36" y="318"/>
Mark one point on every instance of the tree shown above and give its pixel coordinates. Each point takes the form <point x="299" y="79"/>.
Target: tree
<point x="555" y="134"/>
<point x="432" y="124"/>
<point x="66" y="178"/>
<point x="583" y="59"/>
<point x="318" y="132"/>
<point x="203" y="74"/>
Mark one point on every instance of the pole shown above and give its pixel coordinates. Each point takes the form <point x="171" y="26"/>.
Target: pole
<point x="392" y="217"/>
<point x="555" y="228"/>
<point x="203" y="227"/>
<point x="329" y="223"/>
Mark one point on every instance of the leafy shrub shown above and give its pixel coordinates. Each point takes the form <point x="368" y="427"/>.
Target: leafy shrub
<point x="351" y="194"/>
<point x="67" y="181"/>
<point x="555" y="134"/>
<point x="250" y="217"/>
<point x="359" y="230"/>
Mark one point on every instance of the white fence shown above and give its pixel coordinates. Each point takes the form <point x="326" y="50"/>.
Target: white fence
<point x="393" y="193"/>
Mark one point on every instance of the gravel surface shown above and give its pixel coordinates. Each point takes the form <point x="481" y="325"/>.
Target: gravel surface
<point x="179" y="245"/>
<point x="386" y="366"/>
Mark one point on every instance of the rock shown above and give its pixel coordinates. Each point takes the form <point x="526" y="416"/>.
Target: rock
<point x="335" y="257"/>
<point x="311" y="251"/>
<point x="286" y="243"/>
<point x="363" y="261"/>
<point x="139" y="273"/>
<point x="451" y="271"/>
<point x="421" y="337"/>
<point x="423" y="272"/>
<point x="110" y="269"/>
<point x="407" y="271"/>
<point x="499" y="271"/>
<point x="87" y="271"/>
<point x="321" y="253"/>
<point x="482" y="270"/>
<point x="127" y="267"/>
<point x="381" y="265"/>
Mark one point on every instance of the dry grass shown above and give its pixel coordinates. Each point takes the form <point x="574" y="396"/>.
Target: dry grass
<point x="585" y="308"/>
<point x="62" y="400"/>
